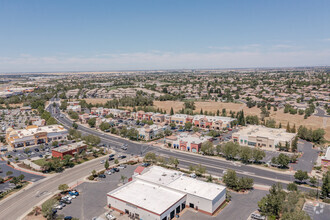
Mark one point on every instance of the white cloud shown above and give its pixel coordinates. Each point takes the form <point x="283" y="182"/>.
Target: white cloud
<point x="283" y="46"/>
<point x="165" y="60"/>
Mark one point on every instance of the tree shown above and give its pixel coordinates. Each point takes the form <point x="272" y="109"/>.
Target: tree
<point x="283" y="160"/>
<point x="75" y="125"/>
<point x="272" y="203"/>
<point x="313" y="180"/>
<point x="230" y="150"/>
<point x="116" y="161"/>
<point x="172" y="111"/>
<point x="123" y="178"/>
<point x="188" y="125"/>
<point x="245" y="154"/>
<point x="63" y="187"/>
<point x="106" y="164"/>
<point x="258" y="155"/>
<point x="173" y="161"/>
<point x="17" y="180"/>
<point x="47" y="208"/>
<point x="104" y="126"/>
<point x="301" y="175"/>
<point x="230" y="179"/>
<point x="288" y="128"/>
<point x="200" y="170"/>
<point x="172" y="125"/>
<point x="209" y="179"/>
<point x="150" y="157"/>
<point x="132" y="134"/>
<point x="325" y="190"/>
<point x="294" y="144"/>
<point x="94" y="173"/>
<point x="207" y="148"/>
<point x="245" y="183"/>
<point x="292" y="187"/>
<point x="9" y="173"/>
<point x="92" y="122"/>
<point x="51" y="121"/>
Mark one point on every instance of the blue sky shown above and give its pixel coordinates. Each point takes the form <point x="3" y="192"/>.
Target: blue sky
<point x="78" y="35"/>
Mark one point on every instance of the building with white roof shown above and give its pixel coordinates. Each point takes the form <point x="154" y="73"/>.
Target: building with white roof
<point x="33" y="135"/>
<point x="261" y="136"/>
<point x="161" y="193"/>
<point x="325" y="160"/>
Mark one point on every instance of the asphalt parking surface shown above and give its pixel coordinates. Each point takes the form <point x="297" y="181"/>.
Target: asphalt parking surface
<point x="320" y="211"/>
<point x="92" y="200"/>
<point x="240" y="207"/>
<point x="7" y="185"/>
<point x="309" y="157"/>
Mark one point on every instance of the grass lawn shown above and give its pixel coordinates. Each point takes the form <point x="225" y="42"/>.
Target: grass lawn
<point x="40" y="162"/>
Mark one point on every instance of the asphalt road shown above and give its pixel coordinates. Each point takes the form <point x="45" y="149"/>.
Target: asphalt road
<point x="261" y="176"/>
<point x="16" y="206"/>
<point x="321" y="113"/>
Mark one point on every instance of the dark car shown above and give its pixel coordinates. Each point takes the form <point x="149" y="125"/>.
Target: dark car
<point x="111" y="155"/>
<point x="67" y="217"/>
<point x="102" y="176"/>
<point x="121" y="156"/>
<point x="115" y="169"/>
<point x="15" y="150"/>
<point x="146" y="164"/>
<point x="111" y="158"/>
<point x="36" y="150"/>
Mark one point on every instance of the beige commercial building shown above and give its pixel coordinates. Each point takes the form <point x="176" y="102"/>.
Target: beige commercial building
<point x="33" y="135"/>
<point x="260" y="136"/>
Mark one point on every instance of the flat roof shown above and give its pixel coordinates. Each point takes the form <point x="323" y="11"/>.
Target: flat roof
<point x="197" y="187"/>
<point x="69" y="147"/>
<point x="154" y="198"/>
<point x="177" y="181"/>
<point x="261" y="131"/>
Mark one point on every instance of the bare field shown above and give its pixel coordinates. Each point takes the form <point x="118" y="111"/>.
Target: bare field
<point x="206" y="106"/>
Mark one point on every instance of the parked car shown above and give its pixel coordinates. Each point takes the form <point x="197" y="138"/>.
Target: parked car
<point x="124" y="148"/>
<point x="146" y="164"/>
<point x="102" y="176"/>
<point x="121" y="156"/>
<point x="67" y="217"/>
<point x="109" y="216"/>
<point x="73" y="193"/>
<point x="111" y="155"/>
<point x="102" y="161"/>
<point x="192" y="175"/>
<point x="122" y="166"/>
<point x="36" y="150"/>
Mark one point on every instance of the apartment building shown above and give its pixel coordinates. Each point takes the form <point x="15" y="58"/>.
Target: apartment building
<point x="261" y="136"/>
<point x="33" y="135"/>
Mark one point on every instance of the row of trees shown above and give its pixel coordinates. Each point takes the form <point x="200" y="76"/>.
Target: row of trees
<point x="235" y="183"/>
<point x="316" y="136"/>
<point x="280" y="203"/>
<point x="232" y="151"/>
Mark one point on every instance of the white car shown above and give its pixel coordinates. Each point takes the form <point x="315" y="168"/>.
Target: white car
<point x="102" y="161"/>
<point x="59" y="207"/>
<point x="68" y="197"/>
<point x="192" y="175"/>
<point x="109" y="216"/>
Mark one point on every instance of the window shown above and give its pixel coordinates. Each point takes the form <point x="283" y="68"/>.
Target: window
<point x="191" y="205"/>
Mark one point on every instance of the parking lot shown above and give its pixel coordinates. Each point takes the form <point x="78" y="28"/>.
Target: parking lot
<point x="7" y="185"/>
<point x="241" y="206"/>
<point x="92" y="200"/>
<point x="309" y="157"/>
<point x="23" y="153"/>
<point x="317" y="211"/>
<point x="14" y="118"/>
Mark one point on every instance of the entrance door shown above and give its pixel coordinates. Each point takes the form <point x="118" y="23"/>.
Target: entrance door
<point x="183" y="206"/>
<point x="172" y="214"/>
<point x="177" y="210"/>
